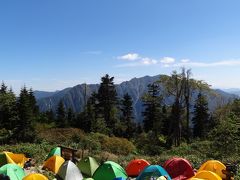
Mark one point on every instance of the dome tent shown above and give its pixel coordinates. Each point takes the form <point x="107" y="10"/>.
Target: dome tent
<point x="179" y="168"/>
<point x="14" y="171"/>
<point x="153" y="171"/>
<point x="88" y="166"/>
<point x="136" y="166"/>
<point x="53" y="163"/>
<point x="214" y="166"/>
<point x="12" y="158"/>
<point x="35" y="176"/>
<point x="54" y="151"/>
<point x="69" y="171"/>
<point x="108" y="171"/>
<point x="206" y="175"/>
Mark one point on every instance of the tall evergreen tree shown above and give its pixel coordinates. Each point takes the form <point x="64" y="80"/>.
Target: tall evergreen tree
<point x="107" y="102"/>
<point x="70" y="117"/>
<point x="61" y="115"/>
<point x="8" y="111"/>
<point x="50" y="116"/>
<point x="152" y="113"/>
<point x="24" y="128"/>
<point x="127" y="116"/>
<point x="201" y="116"/>
<point x="33" y="102"/>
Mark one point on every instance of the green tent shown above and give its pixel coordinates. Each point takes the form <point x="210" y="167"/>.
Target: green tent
<point x="88" y="166"/>
<point x="69" y="171"/>
<point x="108" y="171"/>
<point x="54" y="151"/>
<point x="3" y="159"/>
<point x="14" y="171"/>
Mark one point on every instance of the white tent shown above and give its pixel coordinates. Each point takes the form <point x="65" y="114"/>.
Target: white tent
<point x="69" y="171"/>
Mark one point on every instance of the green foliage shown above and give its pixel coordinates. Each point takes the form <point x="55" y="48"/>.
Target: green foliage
<point x="61" y="120"/>
<point x="152" y="113"/>
<point x="25" y="131"/>
<point x="107" y="101"/>
<point x="226" y="137"/>
<point x="201" y="117"/>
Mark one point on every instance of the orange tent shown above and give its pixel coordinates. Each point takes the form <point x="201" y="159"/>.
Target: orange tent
<point x="206" y="175"/>
<point x="35" y="176"/>
<point x="53" y="163"/>
<point x="136" y="166"/>
<point x="214" y="166"/>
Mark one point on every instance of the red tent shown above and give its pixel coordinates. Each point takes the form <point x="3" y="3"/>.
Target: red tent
<point x="136" y="166"/>
<point x="179" y="168"/>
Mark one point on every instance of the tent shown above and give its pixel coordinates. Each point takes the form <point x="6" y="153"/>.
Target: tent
<point x="153" y="171"/>
<point x="35" y="176"/>
<point x="214" y="166"/>
<point x="136" y="166"/>
<point x="53" y="163"/>
<point x="179" y="168"/>
<point x="108" y="171"/>
<point x="206" y="175"/>
<point x="54" y="151"/>
<point x="119" y="178"/>
<point x="14" y="171"/>
<point x="69" y="171"/>
<point x="88" y="166"/>
<point x="162" y="178"/>
<point x="9" y="157"/>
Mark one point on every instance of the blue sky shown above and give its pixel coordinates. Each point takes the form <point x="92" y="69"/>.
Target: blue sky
<point x="53" y="44"/>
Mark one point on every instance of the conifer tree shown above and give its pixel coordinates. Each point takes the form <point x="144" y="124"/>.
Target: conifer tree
<point x="61" y="115"/>
<point x="24" y="128"/>
<point x="8" y="112"/>
<point x="127" y="116"/>
<point x="70" y="117"/>
<point x="107" y="101"/>
<point x="152" y="113"/>
<point x="201" y="116"/>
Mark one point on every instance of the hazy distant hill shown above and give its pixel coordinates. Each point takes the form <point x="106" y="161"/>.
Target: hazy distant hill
<point x="136" y="87"/>
<point x="235" y="91"/>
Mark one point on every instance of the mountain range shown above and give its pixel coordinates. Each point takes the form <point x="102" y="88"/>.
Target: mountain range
<point x="74" y="97"/>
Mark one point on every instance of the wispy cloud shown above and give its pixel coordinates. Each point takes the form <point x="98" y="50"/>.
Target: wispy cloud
<point x="168" y="62"/>
<point x="137" y="60"/>
<point x="208" y="64"/>
<point x="130" y="57"/>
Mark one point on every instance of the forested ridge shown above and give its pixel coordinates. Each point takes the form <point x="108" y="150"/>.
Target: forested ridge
<point x="164" y="128"/>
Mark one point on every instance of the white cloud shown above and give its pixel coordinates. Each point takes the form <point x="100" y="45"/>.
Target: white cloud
<point x="210" y="64"/>
<point x="185" y="60"/>
<point x="148" y="61"/>
<point x="130" y="57"/>
<point x="167" y="60"/>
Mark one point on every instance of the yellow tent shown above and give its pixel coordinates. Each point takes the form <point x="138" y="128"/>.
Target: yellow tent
<point x="35" y="177"/>
<point x="214" y="166"/>
<point x="206" y="175"/>
<point x="53" y="163"/>
<point x="18" y="159"/>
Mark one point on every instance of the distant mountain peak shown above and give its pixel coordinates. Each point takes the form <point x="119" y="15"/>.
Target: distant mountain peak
<point x="74" y="97"/>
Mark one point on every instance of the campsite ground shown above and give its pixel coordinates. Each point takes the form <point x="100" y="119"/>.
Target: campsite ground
<point x="102" y="148"/>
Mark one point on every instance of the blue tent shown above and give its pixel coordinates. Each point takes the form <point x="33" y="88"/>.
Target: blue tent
<point x="119" y="178"/>
<point x="153" y="171"/>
